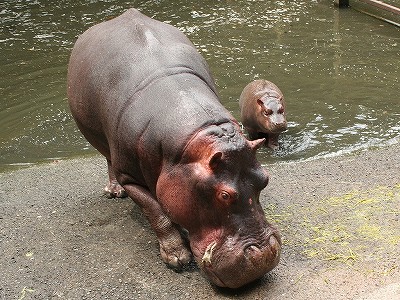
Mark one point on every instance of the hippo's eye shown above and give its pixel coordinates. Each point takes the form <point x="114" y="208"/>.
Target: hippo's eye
<point x="267" y="112"/>
<point x="224" y="196"/>
<point x="281" y="110"/>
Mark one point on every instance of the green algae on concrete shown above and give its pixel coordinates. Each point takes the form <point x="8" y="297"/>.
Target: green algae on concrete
<point x="359" y="228"/>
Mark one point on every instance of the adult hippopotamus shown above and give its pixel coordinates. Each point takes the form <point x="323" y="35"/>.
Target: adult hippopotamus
<point x="263" y="111"/>
<point x="144" y="97"/>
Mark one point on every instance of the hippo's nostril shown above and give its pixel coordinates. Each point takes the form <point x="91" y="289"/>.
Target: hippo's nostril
<point x="273" y="242"/>
<point x="274" y="246"/>
<point x="254" y="254"/>
<point x="266" y="255"/>
<point x="253" y="250"/>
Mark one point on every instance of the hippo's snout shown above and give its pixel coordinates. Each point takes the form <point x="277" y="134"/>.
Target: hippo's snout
<point x="258" y="257"/>
<point x="234" y="266"/>
<point x="276" y="124"/>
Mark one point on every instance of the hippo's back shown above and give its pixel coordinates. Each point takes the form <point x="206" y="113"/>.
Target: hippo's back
<point x="116" y="58"/>
<point x="136" y="83"/>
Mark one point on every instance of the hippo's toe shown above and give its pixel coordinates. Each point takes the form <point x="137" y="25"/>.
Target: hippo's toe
<point x="114" y="190"/>
<point x="175" y="253"/>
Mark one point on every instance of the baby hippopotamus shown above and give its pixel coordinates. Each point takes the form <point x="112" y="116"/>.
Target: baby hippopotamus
<point x="263" y="111"/>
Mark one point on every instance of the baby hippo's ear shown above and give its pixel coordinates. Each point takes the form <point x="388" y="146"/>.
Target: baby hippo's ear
<point x="256" y="144"/>
<point x="215" y="160"/>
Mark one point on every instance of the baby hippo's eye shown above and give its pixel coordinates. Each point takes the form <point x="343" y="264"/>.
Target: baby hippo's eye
<point x="267" y="112"/>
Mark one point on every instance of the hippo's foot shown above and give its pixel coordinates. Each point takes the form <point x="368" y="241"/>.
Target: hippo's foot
<point x="173" y="247"/>
<point x="273" y="145"/>
<point x="272" y="142"/>
<point x="114" y="190"/>
<point x="174" y="251"/>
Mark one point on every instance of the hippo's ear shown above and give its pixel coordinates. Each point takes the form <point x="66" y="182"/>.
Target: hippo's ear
<point x="256" y="144"/>
<point x="215" y="160"/>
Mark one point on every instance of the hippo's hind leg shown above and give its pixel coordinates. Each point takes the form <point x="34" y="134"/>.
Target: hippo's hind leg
<point x="113" y="189"/>
<point x="173" y="248"/>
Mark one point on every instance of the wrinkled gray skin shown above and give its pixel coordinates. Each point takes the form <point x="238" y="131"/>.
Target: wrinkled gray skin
<point x="144" y="97"/>
<point x="263" y="111"/>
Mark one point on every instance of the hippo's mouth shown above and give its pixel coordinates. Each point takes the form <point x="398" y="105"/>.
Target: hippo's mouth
<point x="230" y="265"/>
<point x="272" y="127"/>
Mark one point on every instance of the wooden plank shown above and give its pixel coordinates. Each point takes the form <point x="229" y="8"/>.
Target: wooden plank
<point x="380" y="18"/>
<point x="383" y="5"/>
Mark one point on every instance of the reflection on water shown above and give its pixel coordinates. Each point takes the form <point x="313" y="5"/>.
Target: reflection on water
<point x="339" y="71"/>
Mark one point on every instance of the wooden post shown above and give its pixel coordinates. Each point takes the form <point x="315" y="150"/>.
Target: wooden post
<point x="342" y="3"/>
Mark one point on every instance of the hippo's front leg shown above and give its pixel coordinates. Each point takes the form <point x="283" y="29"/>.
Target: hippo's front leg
<point x="113" y="189"/>
<point x="173" y="250"/>
<point x="273" y="141"/>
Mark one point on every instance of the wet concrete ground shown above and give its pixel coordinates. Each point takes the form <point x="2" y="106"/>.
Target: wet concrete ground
<point x="339" y="217"/>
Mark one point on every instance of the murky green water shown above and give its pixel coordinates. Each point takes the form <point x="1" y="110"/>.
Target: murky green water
<point x="339" y="71"/>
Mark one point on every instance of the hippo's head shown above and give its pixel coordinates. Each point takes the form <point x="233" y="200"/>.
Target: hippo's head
<point x="213" y="192"/>
<point x="271" y="112"/>
<point x="263" y="104"/>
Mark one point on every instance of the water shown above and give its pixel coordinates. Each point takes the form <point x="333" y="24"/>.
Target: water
<point x="339" y="71"/>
